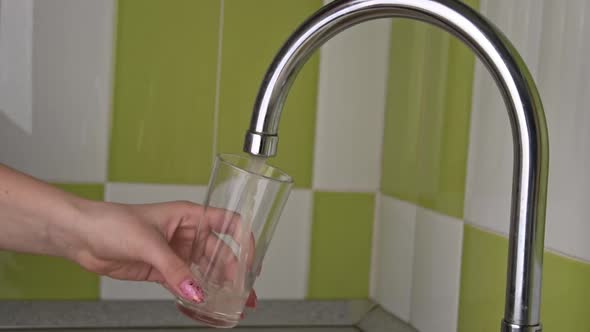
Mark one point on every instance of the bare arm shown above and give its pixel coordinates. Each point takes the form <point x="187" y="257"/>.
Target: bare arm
<point x="132" y="242"/>
<point x="147" y="242"/>
<point x="34" y="215"/>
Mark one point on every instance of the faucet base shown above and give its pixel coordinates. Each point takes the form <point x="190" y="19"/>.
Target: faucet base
<point x="509" y="327"/>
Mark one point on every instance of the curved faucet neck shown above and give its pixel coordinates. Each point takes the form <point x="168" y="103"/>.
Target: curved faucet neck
<point x="525" y="110"/>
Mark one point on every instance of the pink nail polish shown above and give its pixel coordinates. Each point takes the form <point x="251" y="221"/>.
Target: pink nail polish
<point x="191" y="291"/>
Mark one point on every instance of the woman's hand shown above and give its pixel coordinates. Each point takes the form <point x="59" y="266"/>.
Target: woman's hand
<point x="149" y="242"/>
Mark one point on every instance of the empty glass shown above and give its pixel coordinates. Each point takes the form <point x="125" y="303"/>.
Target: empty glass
<point x="243" y="204"/>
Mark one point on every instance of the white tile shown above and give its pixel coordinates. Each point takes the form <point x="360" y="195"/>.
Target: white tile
<point x="138" y="193"/>
<point x="490" y="160"/>
<point x="437" y="270"/>
<point x="285" y="269"/>
<point x="395" y="256"/>
<point x="564" y="83"/>
<point x="72" y="51"/>
<point x="489" y="167"/>
<point x="554" y="45"/>
<point x="351" y="103"/>
<point x="132" y="193"/>
<point x="375" y="271"/>
<point x="528" y="35"/>
<point x="16" y="62"/>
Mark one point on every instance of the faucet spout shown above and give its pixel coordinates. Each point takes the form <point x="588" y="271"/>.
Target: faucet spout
<point x="525" y="110"/>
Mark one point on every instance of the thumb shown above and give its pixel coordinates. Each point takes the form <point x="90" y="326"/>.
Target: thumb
<point x="175" y="272"/>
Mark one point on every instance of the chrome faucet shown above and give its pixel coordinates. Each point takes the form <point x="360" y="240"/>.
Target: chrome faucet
<point x="525" y="110"/>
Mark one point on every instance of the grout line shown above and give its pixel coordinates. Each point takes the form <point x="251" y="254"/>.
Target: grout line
<point x="111" y="90"/>
<point x="411" y="314"/>
<point x="459" y="280"/>
<point x="375" y="255"/>
<point x="385" y="109"/>
<point x="415" y="244"/>
<point x="547" y="249"/>
<point x="218" y="79"/>
<point x="429" y="210"/>
<point x="344" y="190"/>
<point x="110" y="104"/>
<point x="567" y="256"/>
<point x="156" y="185"/>
<point x="310" y="245"/>
<point x="375" y="243"/>
<point x="317" y="120"/>
<point x="485" y="229"/>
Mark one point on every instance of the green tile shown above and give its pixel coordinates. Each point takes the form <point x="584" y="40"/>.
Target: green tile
<point x="253" y="32"/>
<point x="432" y="110"/>
<point x="566" y="294"/>
<point x="32" y="277"/>
<point x="566" y="286"/>
<point x="445" y="124"/>
<point x="341" y="245"/>
<point x="164" y="91"/>
<point x="483" y="281"/>
<point x="454" y="136"/>
<point x="93" y="191"/>
<point x="402" y="116"/>
<point x="427" y="117"/>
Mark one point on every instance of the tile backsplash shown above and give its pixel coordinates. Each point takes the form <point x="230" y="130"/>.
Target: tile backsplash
<point x="447" y="170"/>
<point x="133" y="101"/>
<point x="396" y="136"/>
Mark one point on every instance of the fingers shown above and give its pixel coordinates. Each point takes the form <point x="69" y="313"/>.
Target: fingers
<point x="224" y="253"/>
<point x="223" y="250"/>
<point x="252" y="300"/>
<point x="175" y="271"/>
<point x="223" y="221"/>
<point x="224" y="238"/>
<point x="182" y="241"/>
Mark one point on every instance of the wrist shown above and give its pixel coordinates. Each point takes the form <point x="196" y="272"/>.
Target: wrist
<point x="38" y="218"/>
<point x="65" y="233"/>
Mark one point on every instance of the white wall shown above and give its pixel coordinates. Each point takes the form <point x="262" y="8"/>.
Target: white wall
<point x="553" y="39"/>
<point x="64" y="138"/>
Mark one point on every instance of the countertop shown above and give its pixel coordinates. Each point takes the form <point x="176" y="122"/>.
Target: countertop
<point x="162" y="316"/>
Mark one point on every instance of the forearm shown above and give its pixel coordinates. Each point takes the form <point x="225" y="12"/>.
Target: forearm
<point x="35" y="216"/>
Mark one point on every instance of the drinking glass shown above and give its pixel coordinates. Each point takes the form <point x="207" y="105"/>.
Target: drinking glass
<point x="244" y="201"/>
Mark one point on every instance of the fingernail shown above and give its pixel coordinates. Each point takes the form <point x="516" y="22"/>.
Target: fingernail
<point x="252" y="300"/>
<point x="192" y="291"/>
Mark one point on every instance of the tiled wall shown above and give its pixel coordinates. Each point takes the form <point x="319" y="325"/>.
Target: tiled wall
<point x="441" y="246"/>
<point x="420" y="228"/>
<point x="132" y="99"/>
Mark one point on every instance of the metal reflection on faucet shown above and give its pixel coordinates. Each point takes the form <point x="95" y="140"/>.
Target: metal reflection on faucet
<point x="525" y="110"/>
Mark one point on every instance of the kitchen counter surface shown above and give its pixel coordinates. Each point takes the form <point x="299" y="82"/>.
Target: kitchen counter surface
<point x="162" y="316"/>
